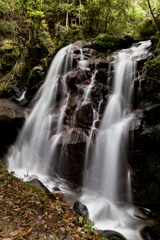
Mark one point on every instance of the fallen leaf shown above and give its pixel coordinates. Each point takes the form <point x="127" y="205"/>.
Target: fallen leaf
<point x="30" y="230"/>
<point x="25" y="225"/>
<point x="49" y="217"/>
<point x="5" y="218"/>
<point x="13" y="234"/>
<point x="62" y="229"/>
<point x="51" y="236"/>
<point x="77" y="236"/>
<point x="69" y="220"/>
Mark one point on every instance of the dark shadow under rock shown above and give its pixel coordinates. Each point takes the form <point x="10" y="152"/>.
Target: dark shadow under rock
<point x="111" y="235"/>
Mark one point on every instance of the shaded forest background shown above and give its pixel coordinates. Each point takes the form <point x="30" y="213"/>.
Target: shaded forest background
<point x="31" y="32"/>
<point x="46" y="22"/>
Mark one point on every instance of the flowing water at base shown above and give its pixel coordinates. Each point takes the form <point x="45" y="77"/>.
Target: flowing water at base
<point x="126" y="219"/>
<point x="34" y="144"/>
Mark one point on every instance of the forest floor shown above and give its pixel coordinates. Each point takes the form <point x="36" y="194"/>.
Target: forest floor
<point x="26" y="212"/>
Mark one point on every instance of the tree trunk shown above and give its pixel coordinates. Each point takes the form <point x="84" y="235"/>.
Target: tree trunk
<point x="156" y="22"/>
<point x="67" y="19"/>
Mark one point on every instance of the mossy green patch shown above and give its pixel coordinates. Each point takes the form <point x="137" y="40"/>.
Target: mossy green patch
<point x="153" y="68"/>
<point x="36" y="189"/>
<point x="145" y="29"/>
<point x="107" y="43"/>
<point x="1" y="90"/>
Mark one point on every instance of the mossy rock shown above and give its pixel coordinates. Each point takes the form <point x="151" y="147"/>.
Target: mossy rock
<point x="36" y="189"/>
<point x="7" y="44"/>
<point x="145" y="29"/>
<point x="153" y="69"/>
<point x="151" y="85"/>
<point x="22" y="67"/>
<point x="1" y="90"/>
<point x="107" y="43"/>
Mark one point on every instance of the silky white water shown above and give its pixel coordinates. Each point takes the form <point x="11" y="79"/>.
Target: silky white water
<point x="34" y="144"/>
<point x="107" y="208"/>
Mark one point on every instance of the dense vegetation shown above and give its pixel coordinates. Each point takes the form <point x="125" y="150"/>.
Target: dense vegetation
<point x="31" y="30"/>
<point x="37" y="22"/>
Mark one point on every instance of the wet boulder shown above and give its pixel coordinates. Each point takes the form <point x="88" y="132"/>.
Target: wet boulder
<point x="81" y="209"/>
<point x="71" y="143"/>
<point x="11" y="112"/>
<point x="99" y="93"/>
<point x="111" y="235"/>
<point x="82" y="75"/>
<point x="39" y="184"/>
<point x="71" y="80"/>
<point x="84" y="115"/>
<point x="60" y="90"/>
<point x="147" y="233"/>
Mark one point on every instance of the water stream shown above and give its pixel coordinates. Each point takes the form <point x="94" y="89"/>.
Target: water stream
<point x="102" y="186"/>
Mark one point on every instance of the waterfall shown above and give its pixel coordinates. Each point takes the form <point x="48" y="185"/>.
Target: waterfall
<point x="37" y="143"/>
<point x="34" y="143"/>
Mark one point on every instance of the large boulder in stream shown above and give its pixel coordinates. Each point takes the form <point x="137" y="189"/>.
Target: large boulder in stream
<point x="111" y="235"/>
<point x="81" y="209"/>
<point x="69" y="158"/>
<point x="145" y="29"/>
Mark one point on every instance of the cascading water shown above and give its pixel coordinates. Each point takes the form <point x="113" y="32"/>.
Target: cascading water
<point x="34" y="143"/>
<point x="44" y="129"/>
<point x="110" y="153"/>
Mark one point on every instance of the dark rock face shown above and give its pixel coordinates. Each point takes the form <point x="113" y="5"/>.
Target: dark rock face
<point x="70" y="155"/>
<point x="148" y="233"/>
<point x="111" y="235"/>
<point x="147" y="192"/>
<point x="12" y="117"/>
<point x="81" y="209"/>
<point x="84" y="115"/>
<point x="101" y="75"/>
<point x="152" y="112"/>
<point x="71" y="80"/>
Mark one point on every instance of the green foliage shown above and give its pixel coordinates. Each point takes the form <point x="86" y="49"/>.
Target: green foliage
<point x="47" y="23"/>
<point x="89" y="227"/>
<point x="81" y="219"/>
<point x="153" y="68"/>
<point x="106" y="42"/>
